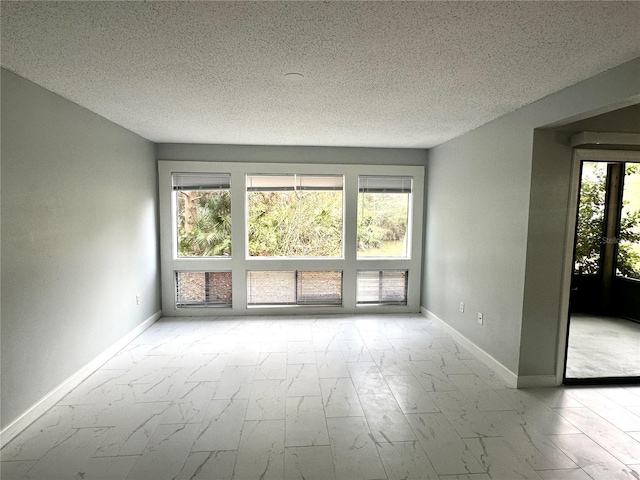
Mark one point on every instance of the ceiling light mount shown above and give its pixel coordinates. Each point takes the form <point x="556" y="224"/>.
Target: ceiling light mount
<point x="294" y="76"/>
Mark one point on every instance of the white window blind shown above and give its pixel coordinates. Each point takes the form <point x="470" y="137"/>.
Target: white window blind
<point x="203" y="289"/>
<point x="384" y="184"/>
<point x="284" y="183"/>
<point x="201" y="181"/>
<point x="381" y="287"/>
<point x="294" y="287"/>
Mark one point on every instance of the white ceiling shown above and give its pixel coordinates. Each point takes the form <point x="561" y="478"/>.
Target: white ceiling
<point x="378" y="74"/>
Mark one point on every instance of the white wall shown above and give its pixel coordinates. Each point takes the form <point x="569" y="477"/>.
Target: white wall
<point x="79" y="239"/>
<point x="486" y="242"/>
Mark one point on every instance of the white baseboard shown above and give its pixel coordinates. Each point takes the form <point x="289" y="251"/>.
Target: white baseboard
<point x="55" y="395"/>
<point x="502" y="371"/>
<point x="537" y="381"/>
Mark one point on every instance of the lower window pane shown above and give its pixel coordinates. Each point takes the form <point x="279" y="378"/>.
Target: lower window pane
<point x="320" y="288"/>
<point x="381" y="287"/>
<point x="294" y="287"/>
<point x="203" y="289"/>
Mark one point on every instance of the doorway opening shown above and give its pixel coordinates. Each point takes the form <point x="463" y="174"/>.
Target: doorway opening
<point x="603" y="344"/>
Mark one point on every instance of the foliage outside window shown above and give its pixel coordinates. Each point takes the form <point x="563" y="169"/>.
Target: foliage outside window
<point x="383" y="212"/>
<point x="294" y="215"/>
<point x="203" y="208"/>
<point x="628" y="264"/>
<point x="590" y="228"/>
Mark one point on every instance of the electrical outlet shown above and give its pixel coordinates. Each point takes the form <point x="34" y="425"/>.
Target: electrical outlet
<point x="462" y="307"/>
<point x="138" y="299"/>
<point x="480" y="319"/>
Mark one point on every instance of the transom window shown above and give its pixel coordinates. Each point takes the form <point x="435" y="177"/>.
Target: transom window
<point x="251" y="238"/>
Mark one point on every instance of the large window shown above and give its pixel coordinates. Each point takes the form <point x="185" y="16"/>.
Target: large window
<point x="263" y="238"/>
<point x="277" y="287"/>
<point x="203" y="214"/>
<point x="295" y="215"/>
<point x="383" y="216"/>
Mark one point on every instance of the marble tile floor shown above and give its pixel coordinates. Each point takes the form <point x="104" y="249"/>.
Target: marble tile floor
<point x="330" y="397"/>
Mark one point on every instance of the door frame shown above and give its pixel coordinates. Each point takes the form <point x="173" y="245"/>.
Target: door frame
<point x="578" y="156"/>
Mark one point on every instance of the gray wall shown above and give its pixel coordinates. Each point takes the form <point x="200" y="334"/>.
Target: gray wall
<point x="548" y="214"/>
<point x="487" y="241"/>
<point x="79" y="239"/>
<point x="291" y="154"/>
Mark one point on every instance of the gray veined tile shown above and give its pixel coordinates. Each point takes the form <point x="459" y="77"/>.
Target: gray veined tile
<point x="67" y="458"/>
<point x="326" y="341"/>
<point x="367" y="378"/>
<point x="608" y="409"/>
<point x="390" y="363"/>
<point x="456" y="349"/>
<point x="14" y="470"/>
<point x="488" y="375"/>
<point x="271" y="366"/>
<point x="331" y="364"/>
<point x="546" y="420"/>
<point x="106" y="468"/>
<point x="447" y="362"/>
<point x="355" y="351"/>
<point x="164" y="388"/>
<point x="536" y="449"/>
<point x="166" y="452"/>
<point x="42" y="435"/>
<point x="615" y="441"/>
<point x="209" y="465"/>
<point x="385" y="418"/>
<point x="244" y="354"/>
<point x="261" y="450"/>
<point x="483" y="396"/>
<point x="222" y="426"/>
<point x="565" y="474"/>
<point x="340" y="398"/>
<point x="149" y="370"/>
<point x="635" y="435"/>
<point x="555" y="397"/>
<point x="299" y="332"/>
<point x="300" y="352"/>
<point x="302" y="380"/>
<point x="267" y="400"/>
<point x="235" y="382"/>
<point x="133" y="430"/>
<point x="305" y="422"/>
<point x="376" y="341"/>
<point x="354" y="451"/>
<point x="190" y="403"/>
<point x="274" y="344"/>
<point x="592" y="458"/>
<point x="100" y="387"/>
<point x="444" y="447"/>
<point x="211" y="370"/>
<point x="411" y="395"/>
<point x="409" y="350"/>
<point x="470" y="476"/>
<point x="463" y="415"/>
<point x="404" y="460"/>
<point x="500" y="460"/>
<point x="431" y="376"/>
<point x="308" y="463"/>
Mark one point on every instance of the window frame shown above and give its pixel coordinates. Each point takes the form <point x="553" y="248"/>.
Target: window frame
<point x="239" y="263"/>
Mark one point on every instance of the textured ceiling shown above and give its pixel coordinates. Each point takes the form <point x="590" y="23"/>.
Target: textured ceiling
<point x="379" y="74"/>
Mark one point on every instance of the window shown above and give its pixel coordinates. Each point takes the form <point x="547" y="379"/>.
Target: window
<point x="294" y="287"/>
<point x="294" y="215"/>
<point x="264" y="238"/>
<point x="383" y="287"/>
<point x="203" y="214"/>
<point x="203" y="289"/>
<point x="383" y="216"/>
